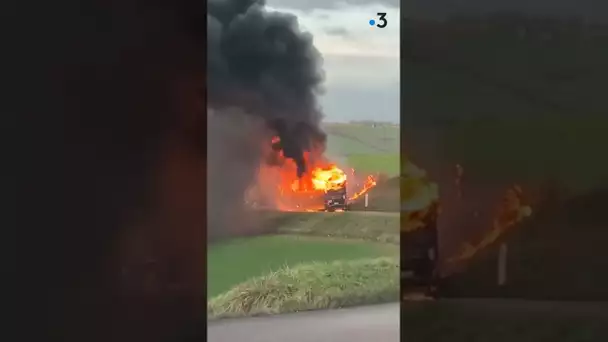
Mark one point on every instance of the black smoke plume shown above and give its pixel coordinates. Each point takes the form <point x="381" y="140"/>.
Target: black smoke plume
<point x="261" y="62"/>
<point x="263" y="67"/>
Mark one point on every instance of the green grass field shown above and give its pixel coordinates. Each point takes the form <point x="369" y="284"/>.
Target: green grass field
<point x="233" y="262"/>
<point x="354" y="138"/>
<point x="373" y="227"/>
<point x="338" y="145"/>
<point x="373" y="163"/>
<point x="367" y="149"/>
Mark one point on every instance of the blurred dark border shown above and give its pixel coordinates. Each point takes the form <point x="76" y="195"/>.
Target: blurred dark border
<point x="88" y="89"/>
<point x="514" y="92"/>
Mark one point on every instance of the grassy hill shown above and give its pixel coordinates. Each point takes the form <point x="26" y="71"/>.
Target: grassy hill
<point x="350" y="224"/>
<point x="366" y="147"/>
<point x="361" y="138"/>
<point x="384" y="197"/>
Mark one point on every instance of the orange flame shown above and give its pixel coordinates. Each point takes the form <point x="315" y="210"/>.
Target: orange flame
<point x="369" y="183"/>
<point x="287" y="192"/>
<point x="328" y="178"/>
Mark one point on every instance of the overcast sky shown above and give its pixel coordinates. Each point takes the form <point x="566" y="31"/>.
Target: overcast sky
<point x="361" y="63"/>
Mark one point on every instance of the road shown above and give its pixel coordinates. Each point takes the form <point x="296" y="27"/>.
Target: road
<point x="381" y="322"/>
<point x="374" y="213"/>
<point x="360" y="324"/>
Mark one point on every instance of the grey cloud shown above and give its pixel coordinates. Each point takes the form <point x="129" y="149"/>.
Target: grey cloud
<point x="357" y="97"/>
<point x="594" y="10"/>
<point x="329" y="4"/>
<point x="336" y="31"/>
<point x="343" y="103"/>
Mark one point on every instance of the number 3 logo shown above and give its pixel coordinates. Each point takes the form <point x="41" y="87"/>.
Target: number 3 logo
<point x="382" y="20"/>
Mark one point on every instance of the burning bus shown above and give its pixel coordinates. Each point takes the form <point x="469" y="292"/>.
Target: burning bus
<point x="332" y="181"/>
<point x="335" y="199"/>
<point x="323" y="186"/>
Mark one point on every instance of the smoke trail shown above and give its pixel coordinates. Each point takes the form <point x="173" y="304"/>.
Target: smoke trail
<point x="259" y="65"/>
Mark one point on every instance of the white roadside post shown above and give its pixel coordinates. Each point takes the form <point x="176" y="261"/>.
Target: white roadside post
<point x="502" y="265"/>
<point x="366" y="200"/>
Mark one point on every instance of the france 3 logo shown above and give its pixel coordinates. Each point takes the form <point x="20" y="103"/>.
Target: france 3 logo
<point x="380" y="22"/>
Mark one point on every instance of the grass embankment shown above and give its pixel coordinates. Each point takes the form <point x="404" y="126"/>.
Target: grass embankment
<point x="235" y="261"/>
<point x="383" y="228"/>
<point x="318" y="285"/>
<point x="318" y="260"/>
<point x="387" y="164"/>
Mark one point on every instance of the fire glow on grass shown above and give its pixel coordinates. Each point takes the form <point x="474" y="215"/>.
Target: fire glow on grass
<point x="278" y="185"/>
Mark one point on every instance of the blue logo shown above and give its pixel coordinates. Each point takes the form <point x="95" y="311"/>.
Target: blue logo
<point x="382" y="21"/>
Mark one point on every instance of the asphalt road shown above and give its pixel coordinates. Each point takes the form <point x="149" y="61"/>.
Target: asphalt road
<point x="381" y="322"/>
<point x="360" y="324"/>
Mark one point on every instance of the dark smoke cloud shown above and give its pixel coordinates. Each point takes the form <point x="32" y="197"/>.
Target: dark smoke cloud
<point x="331" y="4"/>
<point x="262" y="66"/>
<point x="259" y="61"/>
<point x="233" y="156"/>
